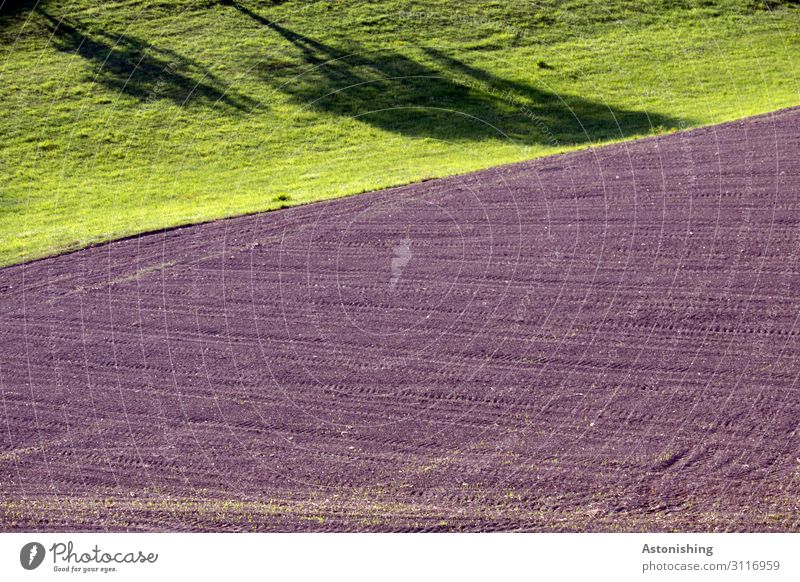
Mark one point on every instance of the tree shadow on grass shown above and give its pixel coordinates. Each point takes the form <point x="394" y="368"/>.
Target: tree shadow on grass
<point x="133" y="67"/>
<point x="13" y="7"/>
<point x="444" y="98"/>
<point x="13" y="15"/>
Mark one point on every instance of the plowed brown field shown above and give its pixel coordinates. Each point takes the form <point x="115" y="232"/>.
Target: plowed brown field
<point x="605" y="340"/>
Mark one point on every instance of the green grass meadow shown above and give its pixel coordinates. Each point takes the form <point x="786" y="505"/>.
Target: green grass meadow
<point x="128" y="116"/>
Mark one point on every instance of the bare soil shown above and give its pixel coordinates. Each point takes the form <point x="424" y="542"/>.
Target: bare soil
<point x="600" y="341"/>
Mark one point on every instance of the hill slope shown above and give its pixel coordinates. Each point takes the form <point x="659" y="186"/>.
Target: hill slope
<point x="603" y="340"/>
<point x="124" y="117"/>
